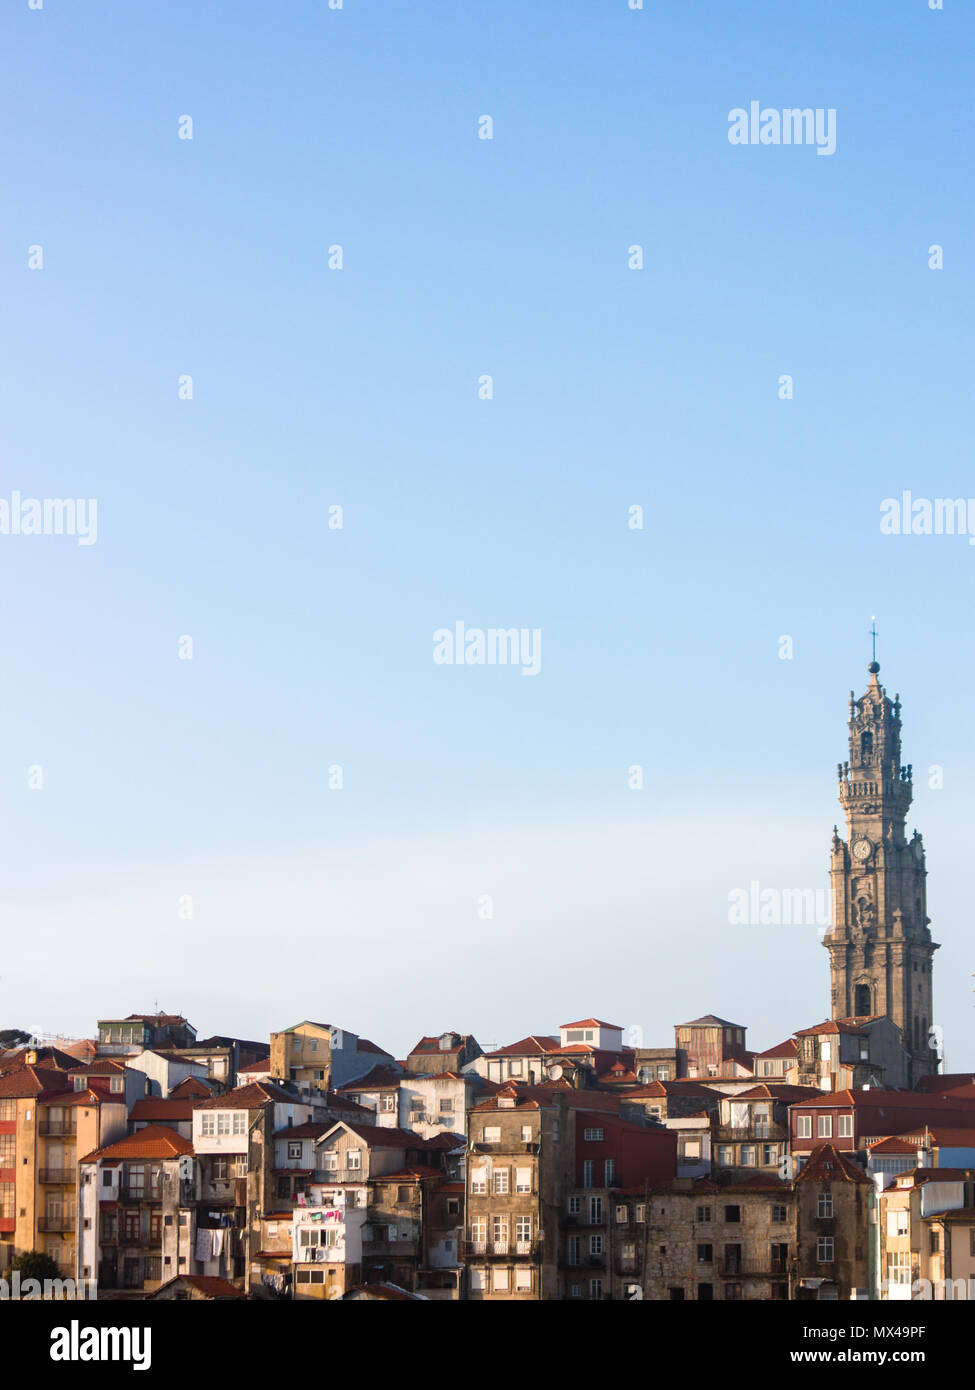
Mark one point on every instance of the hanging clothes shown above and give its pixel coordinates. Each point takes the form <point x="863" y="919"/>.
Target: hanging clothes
<point x="204" y="1244"/>
<point x="217" y="1244"/>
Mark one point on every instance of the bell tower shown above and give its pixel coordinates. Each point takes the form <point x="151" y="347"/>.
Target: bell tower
<point x="880" y="947"/>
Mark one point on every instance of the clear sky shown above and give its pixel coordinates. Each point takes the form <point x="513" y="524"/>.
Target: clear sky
<point x="358" y="387"/>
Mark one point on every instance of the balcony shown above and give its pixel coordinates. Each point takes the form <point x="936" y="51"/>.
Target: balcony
<point x="751" y="1134"/>
<point x="64" y="1221"/>
<point x="128" y="1193"/>
<point x="61" y="1129"/>
<point x="498" y="1249"/>
<point x="58" y="1175"/>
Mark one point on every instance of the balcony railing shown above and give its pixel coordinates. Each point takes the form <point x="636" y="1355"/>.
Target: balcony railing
<point x="63" y="1221"/>
<point x="128" y="1193"/>
<point x="499" y="1247"/>
<point x="66" y="1129"/>
<point x="755" y="1133"/>
<point x="59" y="1175"/>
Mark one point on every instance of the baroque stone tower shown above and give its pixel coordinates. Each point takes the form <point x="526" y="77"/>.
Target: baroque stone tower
<point x="880" y="948"/>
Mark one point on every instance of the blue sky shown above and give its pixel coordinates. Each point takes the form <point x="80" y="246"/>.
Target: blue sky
<point x="315" y="387"/>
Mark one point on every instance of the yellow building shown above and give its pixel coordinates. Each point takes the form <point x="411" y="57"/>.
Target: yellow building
<point x="44" y="1124"/>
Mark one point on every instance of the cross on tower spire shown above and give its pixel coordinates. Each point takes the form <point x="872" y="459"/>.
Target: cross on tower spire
<point x="873" y="635"/>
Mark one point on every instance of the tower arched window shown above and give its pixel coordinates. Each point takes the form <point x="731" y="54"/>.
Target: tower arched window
<point x="861" y="1001"/>
<point x="866" y="744"/>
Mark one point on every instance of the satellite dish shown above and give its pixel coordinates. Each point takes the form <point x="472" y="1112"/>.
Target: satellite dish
<point x="555" y="1071"/>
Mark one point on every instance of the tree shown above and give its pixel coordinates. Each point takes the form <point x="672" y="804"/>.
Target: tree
<point x="13" y="1037"/>
<point x="35" y="1264"/>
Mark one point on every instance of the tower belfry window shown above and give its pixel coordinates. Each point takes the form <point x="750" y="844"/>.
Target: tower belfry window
<point x="866" y="744"/>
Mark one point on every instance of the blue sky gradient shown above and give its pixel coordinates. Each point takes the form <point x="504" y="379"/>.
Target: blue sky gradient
<point x="315" y="387"/>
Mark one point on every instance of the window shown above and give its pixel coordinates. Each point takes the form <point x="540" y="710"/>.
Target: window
<point x="705" y="1254"/>
<point x="971" y="1240"/>
<point x="663" y="1073"/>
<point x="526" y="1134"/>
<point x="523" y="1279"/>
<point x="845" y="1127"/>
<point x="770" y="1155"/>
<point x="899" y="1267"/>
<point x="732" y="1214"/>
<point x="478" y="1235"/>
<point x="491" y="1134"/>
<point x="403" y="1195"/>
<point x="523" y="1233"/>
<point x="824" y="1250"/>
<point x="705" y="1293"/>
<point x="692" y="1148"/>
<point x="592" y="1136"/>
<point x="574" y="1249"/>
<point x="824" y="1205"/>
<point x="330" y="1161"/>
<point x="595" y="1288"/>
<point x="732" y="1293"/>
<point x="499" y="1280"/>
<point x="934" y="1241"/>
<point x="676" y="1294"/>
<point x="621" y="1215"/>
<point x="446" y="1106"/>
<point x="726" y="1155"/>
<point x="523" y="1180"/>
<point x="8" y="1110"/>
<point x="80" y="1083"/>
<point x="587" y="1173"/>
<point x="7" y="1147"/>
<point x="6" y="1200"/>
<point x="609" y="1172"/>
<point x="824" y="1126"/>
<point x="704" y="1213"/>
<point x="478" y="1181"/>
<point x="747" y="1156"/>
<point x="640" y="1212"/>
<point x="596" y="1211"/>
<point x="117" y="1084"/>
<point x="779" y="1214"/>
<point x="388" y="1102"/>
<point x="595" y="1245"/>
<point x="478" y="1280"/>
<point x="135" y="1178"/>
<point x="499" y="1233"/>
<point x="501" y="1180"/>
<point x="575" y="1206"/>
<point x="353" y="1158"/>
<point x="294" y="1149"/>
<point x="803" y="1126"/>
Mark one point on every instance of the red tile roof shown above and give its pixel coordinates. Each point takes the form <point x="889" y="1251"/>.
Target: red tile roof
<point x="252" y="1096"/>
<point x="378" y="1079"/>
<point x="827" y="1164"/>
<point x="789" y="1048"/>
<point x="208" y="1285"/>
<point x="158" y="1141"/>
<point x="261" y="1065"/>
<point x="535" y="1045"/>
<point x="593" y="1023"/>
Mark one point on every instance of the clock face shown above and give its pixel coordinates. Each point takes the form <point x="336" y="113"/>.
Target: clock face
<point x="862" y="850"/>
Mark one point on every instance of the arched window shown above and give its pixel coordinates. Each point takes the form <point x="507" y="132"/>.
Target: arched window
<point x="861" y="1001"/>
<point x="866" y="744"/>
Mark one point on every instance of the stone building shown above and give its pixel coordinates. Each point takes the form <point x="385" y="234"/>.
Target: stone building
<point x="879" y="944"/>
<point x="835" y="1223"/>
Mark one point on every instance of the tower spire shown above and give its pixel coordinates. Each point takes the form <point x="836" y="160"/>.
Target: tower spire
<point x="874" y="668"/>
